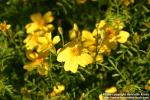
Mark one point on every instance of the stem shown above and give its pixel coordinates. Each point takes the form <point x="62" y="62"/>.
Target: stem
<point x="62" y="37"/>
<point x="123" y="77"/>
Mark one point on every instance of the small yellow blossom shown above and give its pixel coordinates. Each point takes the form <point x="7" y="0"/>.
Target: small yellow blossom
<point x="112" y="89"/>
<point x="46" y="43"/>
<point x="147" y="86"/>
<point x="31" y="55"/>
<point x="86" y="35"/>
<point x="56" y="39"/>
<point x="40" y="42"/>
<point x="81" y="1"/>
<point x="58" y="89"/>
<point x="73" y="56"/>
<point x="87" y="38"/>
<point x="31" y="41"/>
<point x="104" y="49"/>
<point x="74" y="32"/>
<point x="101" y="24"/>
<point x="33" y="65"/>
<point x="123" y="36"/>
<point x="4" y="27"/>
<point x="101" y="97"/>
<point x="40" y="22"/>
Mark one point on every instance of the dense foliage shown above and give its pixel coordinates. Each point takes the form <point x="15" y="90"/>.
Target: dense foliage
<point x="73" y="49"/>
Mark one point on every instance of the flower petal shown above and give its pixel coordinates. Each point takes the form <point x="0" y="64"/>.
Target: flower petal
<point x="64" y="55"/>
<point x="84" y="59"/>
<point x="31" y="27"/>
<point x="56" y="39"/>
<point x="48" y="17"/>
<point x="71" y="65"/>
<point x="36" y="17"/>
<point x="123" y="36"/>
<point x="86" y="35"/>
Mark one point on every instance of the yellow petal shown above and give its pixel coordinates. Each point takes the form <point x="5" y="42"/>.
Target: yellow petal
<point x="48" y="36"/>
<point x="71" y="65"/>
<point x="50" y="27"/>
<point x="100" y="97"/>
<point x="99" y="58"/>
<point x="44" y="48"/>
<point x="88" y="43"/>
<point x="111" y="90"/>
<point x="42" y="40"/>
<point x="84" y="59"/>
<point x="72" y="34"/>
<point x="29" y="67"/>
<point x="75" y="27"/>
<point x="56" y="39"/>
<point x="32" y="65"/>
<point x="101" y="24"/>
<point x="36" y="17"/>
<point x="31" y="42"/>
<point x="64" y="55"/>
<point x="123" y="36"/>
<point x="32" y="27"/>
<point x="86" y="35"/>
<point x="31" y="55"/>
<point x="58" y="89"/>
<point x="98" y="33"/>
<point x="48" y="17"/>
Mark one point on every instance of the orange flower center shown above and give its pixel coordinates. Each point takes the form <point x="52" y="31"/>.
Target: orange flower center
<point x="75" y="51"/>
<point x="41" y="23"/>
<point x="110" y="32"/>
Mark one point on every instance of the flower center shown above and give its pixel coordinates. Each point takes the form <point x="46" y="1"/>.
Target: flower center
<point x="110" y="32"/>
<point x="75" y="51"/>
<point x="41" y="23"/>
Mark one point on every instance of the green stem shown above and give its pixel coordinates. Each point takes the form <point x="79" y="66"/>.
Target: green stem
<point x="123" y="77"/>
<point x="62" y="37"/>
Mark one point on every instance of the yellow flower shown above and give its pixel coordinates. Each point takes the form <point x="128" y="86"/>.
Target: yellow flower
<point x="104" y="49"/>
<point x="99" y="30"/>
<point x="81" y="1"/>
<point x="31" y="41"/>
<point x="112" y="89"/>
<point x="147" y="86"/>
<point x="40" y="22"/>
<point x="101" y="24"/>
<point x="87" y="38"/>
<point x="4" y="27"/>
<point x="101" y="97"/>
<point x="46" y="43"/>
<point x="58" y="89"/>
<point x="31" y="55"/>
<point x="43" y="68"/>
<point x="41" y="42"/>
<point x="33" y="65"/>
<point x="122" y="37"/>
<point x="73" y="56"/>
